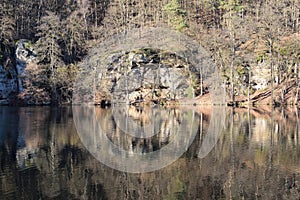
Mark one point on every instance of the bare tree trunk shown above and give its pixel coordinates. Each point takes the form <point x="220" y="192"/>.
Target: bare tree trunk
<point x="272" y="70"/>
<point x="297" y="125"/>
<point x="297" y="82"/>
<point x="232" y="69"/>
<point x="249" y="125"/>
<point x="127" y="92"/>
<point x="53" y="76"/>
<point x="96" y="14"/>
<point x="249" y="85"/>
<point x="201" y="82"/>
<point x="201" y="127"/>
<point x="296" y="24"/>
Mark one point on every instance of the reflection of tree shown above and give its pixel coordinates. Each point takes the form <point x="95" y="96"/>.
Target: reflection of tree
<point x="80" y="176"/>
<point x="215" y="129"/>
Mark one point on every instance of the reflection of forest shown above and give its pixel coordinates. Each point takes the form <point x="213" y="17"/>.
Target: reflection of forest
<point x="257" y="155"/>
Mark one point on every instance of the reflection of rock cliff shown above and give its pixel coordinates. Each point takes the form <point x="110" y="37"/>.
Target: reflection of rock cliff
<point x="141" y="130"/>
<point x="153" y="137"/>
<point x="239" y="167"/>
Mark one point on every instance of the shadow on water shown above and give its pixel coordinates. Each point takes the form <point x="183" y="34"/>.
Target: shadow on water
<point x="227" y="153"/>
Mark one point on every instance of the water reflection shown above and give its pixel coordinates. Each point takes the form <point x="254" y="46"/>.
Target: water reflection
<point x="216" y="128"/>
<point x="133" y="139"/>
<point x="234" y="154"/>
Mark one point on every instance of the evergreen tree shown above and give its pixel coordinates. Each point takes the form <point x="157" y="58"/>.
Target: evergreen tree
<point x="48" y="48"/>
<point x="74" y="37"/>
<point x="176" y="15"/>
<point x="7" y="33"/>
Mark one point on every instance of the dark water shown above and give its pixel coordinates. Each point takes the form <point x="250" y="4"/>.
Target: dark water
<point x="245" y="154"/>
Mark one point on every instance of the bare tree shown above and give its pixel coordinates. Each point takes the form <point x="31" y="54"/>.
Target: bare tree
<point x="270" y="26"/>
<point x="233" y="23"/>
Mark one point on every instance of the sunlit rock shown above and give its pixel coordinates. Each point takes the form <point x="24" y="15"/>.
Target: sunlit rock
<point x="24" y="55"/>
<point x="260" y="77"/>
<point x="24" y="52"/>
<point x="144" y="76"/>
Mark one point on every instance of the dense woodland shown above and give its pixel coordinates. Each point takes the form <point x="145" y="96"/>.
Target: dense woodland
<point x="240" y="35"/>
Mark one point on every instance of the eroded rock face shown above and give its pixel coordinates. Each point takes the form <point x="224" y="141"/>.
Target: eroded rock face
<point x="8" y="85"/>
<point x="260" y="76"/>
<point x="10" y="74"/>
<point x="14" y="81"/>
<point x="24" y="56"/>
<point x="24" y="52"/>
<point x="145" y="75"/>
<point x="28" y="93"/>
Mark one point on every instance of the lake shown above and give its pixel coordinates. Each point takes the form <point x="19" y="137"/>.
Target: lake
<point x="149" y="153"/>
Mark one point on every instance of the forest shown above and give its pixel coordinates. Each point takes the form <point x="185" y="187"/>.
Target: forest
<point x="244" y="38"/>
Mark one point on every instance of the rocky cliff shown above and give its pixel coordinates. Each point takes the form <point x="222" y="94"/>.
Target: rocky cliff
<point x="8" y="84"/>
<point x="133" y="77"/>
<point x="13" y="74"/>
<point x="143" y="76"/>
<point x="24" y="56"/>
<point x="146" y="75"/>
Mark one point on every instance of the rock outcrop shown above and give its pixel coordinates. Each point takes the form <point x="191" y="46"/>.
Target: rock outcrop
<point x="8" y="84"/>
<point x="14" y="78"/>
<point x="260" y="76"/>
<point x="24" y="55"/>
<point x="150" y="65"/>
<point x="30" y="93"/>
<point x="145" y="76"/>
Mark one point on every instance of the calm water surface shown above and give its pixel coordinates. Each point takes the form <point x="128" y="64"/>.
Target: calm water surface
<point x="240" y="154"/>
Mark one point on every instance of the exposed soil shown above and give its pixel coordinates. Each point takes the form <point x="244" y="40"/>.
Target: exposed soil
<point x="283" y="94"/>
